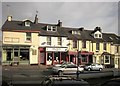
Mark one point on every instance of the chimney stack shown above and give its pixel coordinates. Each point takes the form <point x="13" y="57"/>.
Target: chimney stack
<point x="59" y="23"/>
<point x="36" y="20"/>
<point x="9" y="18"/>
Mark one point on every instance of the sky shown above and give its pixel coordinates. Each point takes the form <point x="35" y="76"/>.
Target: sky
<point x="72" y="14"/>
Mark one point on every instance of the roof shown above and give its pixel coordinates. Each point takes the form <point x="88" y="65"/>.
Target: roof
<point x="61" y="31"/>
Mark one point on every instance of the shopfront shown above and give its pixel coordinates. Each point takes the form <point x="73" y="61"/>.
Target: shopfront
<point x="11" y="53"/>
<point x="52" y="55"/>
<point x="85" y="58"/>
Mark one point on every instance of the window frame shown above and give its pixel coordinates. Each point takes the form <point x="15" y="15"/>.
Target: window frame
<point x="28" y="36"/>
<point x="48" y="40"/>
<point x="74" y="43"/>
<point x="97" y="46"/>
<point x="84" y="44"/>
<point x="59" y="41"/>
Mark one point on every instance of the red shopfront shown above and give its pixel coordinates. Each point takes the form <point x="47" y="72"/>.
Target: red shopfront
<point x="52" y="55"/>
<point x="86" y="57"/>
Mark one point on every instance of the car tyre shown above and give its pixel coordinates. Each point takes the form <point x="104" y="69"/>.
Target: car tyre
<point x="60" y="73"/>
<point x="89" y="69"/>
<point x="100" y="69"/>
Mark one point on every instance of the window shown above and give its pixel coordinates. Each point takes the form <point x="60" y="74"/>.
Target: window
<point x="74" y="44"/>
<point x="59" y="41"/>
<point x="104" y="46"/>
<point x="84" y="58"/>
<point x="27" y="23"/>
<point x="76" y="32"/>
<point x="52" y="28"/>
<point x="96" y="35"/>
<point x="83" y="44"/>
<point x="28" y="36"/>
<point x="48" y="40"/>
<point x="107" y="58"/>
<point x="100" y="35"/>
<point x="97" y="46"/>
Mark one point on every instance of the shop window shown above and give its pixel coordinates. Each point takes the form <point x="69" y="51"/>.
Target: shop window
<point x="48" y="40"/>
<point x="84" y="58"/>
<point x="74" y="44"/>
<point x="57" y="56"/>
<point x="83" y="44"/>
<point x="107" y="59"/>
<point x="28" y="36"/>
<point x="24" y="54"/>
<point x="49" y="56"/>
<point x="59" y="41"/>
<point x="9" y="54"/>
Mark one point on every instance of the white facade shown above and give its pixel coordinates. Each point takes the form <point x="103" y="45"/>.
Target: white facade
<point x="54" y="41"/>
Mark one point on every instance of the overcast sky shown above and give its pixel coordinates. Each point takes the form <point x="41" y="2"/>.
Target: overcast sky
<point x="72" y="14"/>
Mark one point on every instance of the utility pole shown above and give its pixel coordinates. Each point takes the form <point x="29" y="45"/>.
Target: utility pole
<point x="78" y="58"/>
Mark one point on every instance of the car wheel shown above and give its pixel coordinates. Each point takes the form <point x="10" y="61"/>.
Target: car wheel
<point x="89" y="69"/>
<point x="60" y="73"/>
<point x="100" y="69"/>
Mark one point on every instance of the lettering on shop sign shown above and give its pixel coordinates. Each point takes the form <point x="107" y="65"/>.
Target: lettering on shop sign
<point x="55" y="49"/>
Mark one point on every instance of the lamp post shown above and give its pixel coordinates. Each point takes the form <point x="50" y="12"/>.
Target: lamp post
<point x="78" y="58"/>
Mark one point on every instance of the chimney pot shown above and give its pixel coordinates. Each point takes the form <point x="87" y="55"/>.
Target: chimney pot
<point x="9" y="18"/>
<point x="59" y="23"/>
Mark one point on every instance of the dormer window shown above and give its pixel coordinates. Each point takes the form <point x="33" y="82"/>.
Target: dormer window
<point x="27" y="23"/>
<point x="76" y="32"/>
<point x="52" y="28"/>
<point x="97" y="35"/>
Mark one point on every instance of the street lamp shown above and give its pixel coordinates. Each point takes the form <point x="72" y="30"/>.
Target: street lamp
<point x="78" y="58"/>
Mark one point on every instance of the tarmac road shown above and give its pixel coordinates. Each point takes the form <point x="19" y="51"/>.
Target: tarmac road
<point x="35" y="74"/>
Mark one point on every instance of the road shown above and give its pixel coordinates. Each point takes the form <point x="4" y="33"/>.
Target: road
<point x="35" y="74"/>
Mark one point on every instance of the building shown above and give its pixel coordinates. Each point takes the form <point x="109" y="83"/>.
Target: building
<point x="20" y="41"/>
<point x="39" y="43"/>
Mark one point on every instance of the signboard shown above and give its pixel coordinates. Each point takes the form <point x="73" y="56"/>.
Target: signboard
<point x="56" y="49"/>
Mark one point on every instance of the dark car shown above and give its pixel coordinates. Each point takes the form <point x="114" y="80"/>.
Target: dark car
<point x="64" y="81"/>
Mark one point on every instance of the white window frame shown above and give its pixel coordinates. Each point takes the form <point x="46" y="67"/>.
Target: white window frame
<point x="27" y="23"/>
<point x="106" y="59"/>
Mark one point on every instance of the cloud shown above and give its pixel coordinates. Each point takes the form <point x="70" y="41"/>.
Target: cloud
<point x="72" y="14"/>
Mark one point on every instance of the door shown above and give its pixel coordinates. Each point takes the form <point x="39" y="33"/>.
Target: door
<point x="16" y="55"/>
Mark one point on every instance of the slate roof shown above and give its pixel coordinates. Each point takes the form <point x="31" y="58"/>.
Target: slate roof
<point x="61" y="31"/>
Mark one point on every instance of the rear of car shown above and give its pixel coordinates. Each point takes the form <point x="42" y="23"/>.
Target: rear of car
<point x="94" y="67"/>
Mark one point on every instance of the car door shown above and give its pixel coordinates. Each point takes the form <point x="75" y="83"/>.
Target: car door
<point x="93" y="66"/>
<point x="70" y="69"/>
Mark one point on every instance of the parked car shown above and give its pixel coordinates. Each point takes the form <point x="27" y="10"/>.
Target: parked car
<point x="63" y="81"/>
<point x="63" y="64"/>
<point x="95" y="66"/>
<point x="67" y="69"/>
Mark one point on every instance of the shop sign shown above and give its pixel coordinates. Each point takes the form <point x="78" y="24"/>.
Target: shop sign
<point x="56" y="49"/>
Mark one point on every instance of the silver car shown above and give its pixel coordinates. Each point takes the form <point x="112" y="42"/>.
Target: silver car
<point x="93" y="67"/>
<point x="67" y="69"/>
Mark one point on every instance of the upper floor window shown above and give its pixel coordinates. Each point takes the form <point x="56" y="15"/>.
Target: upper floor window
<point x="74" y="44"/>
<point x="48" y="40"/>
<point x="76" y="32"/>
<point x="27" y="23"/>
<point x="97" y="46"/>
<point x="28" y="36"/>
<point x="59" y="41"/>
<point x="83" y="44"/>
<point x="104" y="46"/>
<point x="52" y="28"/>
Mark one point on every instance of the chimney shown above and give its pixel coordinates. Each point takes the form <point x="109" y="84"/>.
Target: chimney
<point x="98" y="29"/>
<point x="9" y="18"/>
<point x="81" y="28"/>
<point x="59" y="23"/>
<point x="36" y="20"/>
